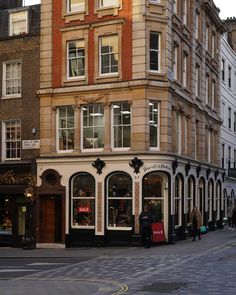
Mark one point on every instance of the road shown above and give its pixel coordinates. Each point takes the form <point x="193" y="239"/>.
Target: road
<point x="202" y="267"/>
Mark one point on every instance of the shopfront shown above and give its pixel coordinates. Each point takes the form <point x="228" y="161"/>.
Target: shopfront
<point x="16" y="212"/>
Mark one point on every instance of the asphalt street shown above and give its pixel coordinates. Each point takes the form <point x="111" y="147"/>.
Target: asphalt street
<point x="202" y="267"/>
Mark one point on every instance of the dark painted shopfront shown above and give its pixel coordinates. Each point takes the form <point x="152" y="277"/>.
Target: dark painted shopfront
<point x="16" y="207"/>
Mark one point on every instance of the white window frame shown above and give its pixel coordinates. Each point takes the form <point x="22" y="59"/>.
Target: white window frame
<point x="207" y="89"/>
<point x="58" y="131"/>
<point x="209" y="146"/>
<point x="110" y="53"/>
<point x="157" y="50"/>
<point x="185" y="135"/>
<point x="179" y="200"/>
<point x="207" y="38"/>
<point x="185" y="66"/>
<point x="108" y="3"/>
<point x="178" y="132"/>
<point x="77" y="58"/>
<point x="185" y="12"/>
<point x="113" y="126"/>
<point x="209" y="199"/>
<point x="217" y="201"/>
<point x="175" y="63"/>
<point x="81" y="9"/>
<point x="4" y="140"/>
<point x="213" y="38"/>
<point x="197" y="80"/>
<point x="4" y="83"/>
<point x="151" y="102"/>
<point x="93" y="126"/>
<point x="213" y="91"/>
<point x="229" y="77"/>
<point x="11" y="20"/>
<point x="190" y="195"/>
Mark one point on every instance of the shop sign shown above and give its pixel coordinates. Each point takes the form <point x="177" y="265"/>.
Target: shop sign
<point x="30" y="144"/>
<point x="83" y="210"/>
<point x="157" y="166"/>
<point x="158" y="232"/>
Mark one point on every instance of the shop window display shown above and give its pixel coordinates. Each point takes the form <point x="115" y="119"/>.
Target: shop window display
<point x="83" y="205"/>
<point x="5" y="216"/>
<point x="119" y="201"/>
<point x="153" y="196"/>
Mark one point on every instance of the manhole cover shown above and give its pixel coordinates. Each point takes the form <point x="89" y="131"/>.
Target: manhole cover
<point x="163" y="287"/>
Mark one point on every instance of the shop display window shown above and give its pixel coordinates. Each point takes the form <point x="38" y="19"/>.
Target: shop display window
<point x="153" y="196"/>
<point x="5" y="216"/>
<point x="119" y="201"/>
<point x="83" y="200"/>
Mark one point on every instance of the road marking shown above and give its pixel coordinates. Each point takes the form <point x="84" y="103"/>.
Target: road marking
<point x="16" y="270"/>
<point x="46" y="263"/>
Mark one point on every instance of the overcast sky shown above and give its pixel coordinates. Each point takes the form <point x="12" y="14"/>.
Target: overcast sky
<point x="227" y="7"/>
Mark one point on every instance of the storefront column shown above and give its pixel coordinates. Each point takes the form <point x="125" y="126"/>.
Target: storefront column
<point x="136" y="208"/>
<point x="53" y="133"/>
<point x="77" y="135"/>
<point x="171" y="231"/>
<point x="107" y="124"/>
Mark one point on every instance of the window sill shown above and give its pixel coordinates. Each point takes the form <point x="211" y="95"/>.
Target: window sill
<point x="64" y="151"/>
<point x="121" y="149"/>
<point x="73" y="16"/>
<point x="106" y="78"/>
<point x="108" y="10"/>
<point x="157" y="75"/>
<point x="92" y="150"/>
<point x="75" y="81"/>
<point x="83" y="226"/>
<point x="11" y="96"/>
<point x="118" y="228"/>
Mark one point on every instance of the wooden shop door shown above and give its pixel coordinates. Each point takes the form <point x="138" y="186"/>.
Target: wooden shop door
<point x="47" y="220"/>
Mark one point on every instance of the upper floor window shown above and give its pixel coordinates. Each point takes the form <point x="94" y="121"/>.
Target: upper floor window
<point x="11" y="79"/>
<point x="76" y="59"/>
<point x="175" y="62"/>
<point x="121" y="125"/>
<point x="207" y="89"/>
<point x="154" y="125"/>
<point x="108" y="52"/>
<point x="213" y="37"/>
<point x="234" y="121"/>
<point x="197" y="26"/>
<point x="93" y="126"/>
<point x="185" y="69"/>
<point x="213" y="91"/>
<point x="229" y="118"/>
<point x="175" y="6"/>
<point x="154" y="51"/>
<point x="11" y="139"/>
<point x="229" y="76"/>
<point x="65" y="123"/>
<point x="75" y="5"/>
<point x="18" y="23"/>
<point x="178" y="132"/>
<point x="223" y="69"/>
<point x="207" y="37"/>
<point x="185" y="12"/>
<point x="108" y="3"/>
<point x="197" y="81"/>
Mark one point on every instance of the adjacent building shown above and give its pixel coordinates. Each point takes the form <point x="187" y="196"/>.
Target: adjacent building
<point x="19" y="117"/>
<point x="228" y="110"/>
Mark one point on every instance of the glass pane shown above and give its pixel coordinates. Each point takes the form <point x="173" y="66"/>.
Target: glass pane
<point x="76" y="5"/>
<point x="120" y="213"/>
<point x="154" y="41"/>
<point x="156" y="209"/>
<point x="127" y="138"/>
<point x="6" y="215"/>
<point x="120" y="185"/>
<point x="84" y="212"/>
<point x="154" y="60"/>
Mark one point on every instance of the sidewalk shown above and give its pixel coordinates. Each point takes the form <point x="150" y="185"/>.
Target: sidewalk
<point x="217" y="239"/>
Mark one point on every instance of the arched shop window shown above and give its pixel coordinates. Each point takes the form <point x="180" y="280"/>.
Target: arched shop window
<point x="83" y="201"/>
<point x="209" y="199"/>
<point x="178" y="200"/>
<point x="153" y="195"/>
<point x="225" y="204"/>
<point x="119" y="201"/>
<point x="190" y="196"/>
<point x="218" y="197"/>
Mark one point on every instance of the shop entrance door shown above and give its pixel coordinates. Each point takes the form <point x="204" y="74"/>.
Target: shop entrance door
<point x="50" y="220"/>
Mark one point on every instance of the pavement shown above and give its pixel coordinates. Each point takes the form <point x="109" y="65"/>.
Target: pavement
<point x="206" y="267"/>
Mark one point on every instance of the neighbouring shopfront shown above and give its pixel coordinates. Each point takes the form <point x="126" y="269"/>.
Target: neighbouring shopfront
<point x="16" y="211"/>
<point x="100" y="200"/>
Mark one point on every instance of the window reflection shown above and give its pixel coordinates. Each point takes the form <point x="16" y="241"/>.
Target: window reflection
<point x="5" y="216"/>
<point x="119" y="200"/>
<point x="83" y="206"/>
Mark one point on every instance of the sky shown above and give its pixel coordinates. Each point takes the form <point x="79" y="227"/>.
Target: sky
<point x="227" y="7"/>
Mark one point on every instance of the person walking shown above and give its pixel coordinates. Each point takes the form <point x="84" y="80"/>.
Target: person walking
<point x="196" y="221"/>
<point x="229" y="216"/>
<point x="234" y="218"/>
<point x="145" y="219"/>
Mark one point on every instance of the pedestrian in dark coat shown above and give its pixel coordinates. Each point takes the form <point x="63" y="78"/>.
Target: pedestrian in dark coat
<point x="145" y="219"/>
<point x="196" y="221"/>
<point x="234" y="218"/>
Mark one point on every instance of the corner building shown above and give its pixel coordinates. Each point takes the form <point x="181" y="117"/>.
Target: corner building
<point x="129" y="115"/>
